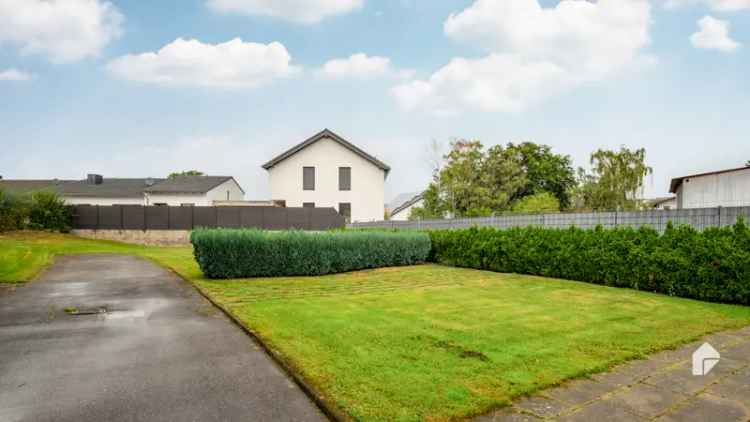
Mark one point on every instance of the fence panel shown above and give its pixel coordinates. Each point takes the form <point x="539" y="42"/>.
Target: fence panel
<point x="298" y="218"/>
<point x="157" y="217"/>
<point x="138" y="217"/>
<point x="133" y="217"/>
<point x="85" y="217"/>
<point x="110" y="217"/>
<point x="180" y="218"/>
<point x="699" y="218"/>
<point x="228" y="217"/>
<point x="204" y="217"/>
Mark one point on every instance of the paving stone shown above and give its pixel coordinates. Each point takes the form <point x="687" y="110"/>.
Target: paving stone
<point x="734" y="387"/>
<point x="682" y="380"/>
<point x="578" y="392"/>
<point x="706" y="407"/>
<point x="601" y="410"/>
<point x="724" y="339"/>
<point x="507" y="414"/>
<point x="629" y="373"/>
<point x="743" y="331"/>
<point x="740" y="351"/>
<point x="646" y="400"/>
<point x="543" y="407"/>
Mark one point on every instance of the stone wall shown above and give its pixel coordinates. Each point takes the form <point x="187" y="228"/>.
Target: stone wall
<point x="141" y="237"/>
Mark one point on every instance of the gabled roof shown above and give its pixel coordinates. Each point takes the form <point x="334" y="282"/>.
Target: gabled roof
<point x="31" y="185"/>
<point x="119" y="187"/>
<point x="109" y="188"/>
<point x="677" y="181"/>
<point x="407" y="204"/>
<point x="189" y="184"/>
<point x="325" y="133"/>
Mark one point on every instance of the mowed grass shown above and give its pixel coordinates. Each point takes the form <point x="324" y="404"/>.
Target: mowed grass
<point x="430" y="342"/>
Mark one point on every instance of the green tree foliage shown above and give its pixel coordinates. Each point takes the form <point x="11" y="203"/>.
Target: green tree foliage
<point x="186" y="173"/>
<point x="615" y="180"/>
<point x="49" y="212"/>
<point x="543" y="202"/>
<point x="545" y="171"/>
<point x="41" y="210"/>
<point x="473" y="182"/>
<point x="710" y="265"/>
<point x="477" y="182"/>
<point x="14" y="211"/>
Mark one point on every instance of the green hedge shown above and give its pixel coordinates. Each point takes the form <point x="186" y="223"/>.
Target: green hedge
<point x="223" y="253"/>
<point x="711" y="265"/>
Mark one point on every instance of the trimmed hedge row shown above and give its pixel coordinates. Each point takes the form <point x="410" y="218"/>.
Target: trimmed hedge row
<point x="257" y="253"/>
<point x="711" y="265"/>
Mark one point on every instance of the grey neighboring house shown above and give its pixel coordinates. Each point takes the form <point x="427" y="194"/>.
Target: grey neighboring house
<point x="98" y="190"/>
<point x="722" y="188"/>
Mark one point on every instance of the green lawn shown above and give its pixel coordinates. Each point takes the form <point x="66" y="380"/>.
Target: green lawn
<point x="428" y="342"/>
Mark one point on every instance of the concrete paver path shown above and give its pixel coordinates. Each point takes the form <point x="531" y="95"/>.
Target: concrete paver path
<point x="660" y="388"/>
<point x="144" y="347"/>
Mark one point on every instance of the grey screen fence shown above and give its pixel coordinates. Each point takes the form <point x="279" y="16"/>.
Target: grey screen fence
<point x="138" y="217"/>
<point x="699" y="218"/>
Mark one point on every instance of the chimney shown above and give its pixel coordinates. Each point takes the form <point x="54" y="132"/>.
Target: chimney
<point x="94" y="179"/>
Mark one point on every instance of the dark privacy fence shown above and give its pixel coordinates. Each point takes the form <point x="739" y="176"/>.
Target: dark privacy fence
<point x="699" y="218"/>
<point x="138" y="217"/>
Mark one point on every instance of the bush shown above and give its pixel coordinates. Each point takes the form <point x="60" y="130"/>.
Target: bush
<point x="14" y="211"/>
<point x="536" y="204"/>
<point x="49" y="212"/>
<point x="225" y="253"/>
<point x="712" y="265"/>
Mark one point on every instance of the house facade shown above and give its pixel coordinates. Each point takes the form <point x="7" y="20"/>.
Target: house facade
<point x="403" y="211"/>
<point x="99" y="190"/>
<point x="328" y="171"/>
<point x="723" y="188"/>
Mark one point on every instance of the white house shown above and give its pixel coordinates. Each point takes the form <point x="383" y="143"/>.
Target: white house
<point x="99" y="190"/>
<point x="402" y="211"/>
<point x="328" y="171"/>
<point x="723" y="188"/>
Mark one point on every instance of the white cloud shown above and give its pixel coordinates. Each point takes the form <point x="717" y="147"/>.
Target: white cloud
<point x="716" y="5"/>
<point x="233" y="64"/>
<point x="362" y="66"/>
<point x="714" y="35"/>
<point x="14" y="75"/>
<point x="63" y="30"/>
<point x="535" y="52"/>
<point x="301" y="11"/>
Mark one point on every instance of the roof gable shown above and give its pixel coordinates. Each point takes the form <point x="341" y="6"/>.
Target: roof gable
<point x="325" y="133"/>
<point x="677" y="181"/>
<point x="189" y="184"/>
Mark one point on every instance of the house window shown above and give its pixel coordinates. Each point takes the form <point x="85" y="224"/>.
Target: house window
<point x="345" y="209"/>
<point x="345" y="178"/>
<point x="160" y="204"/>
<point x="308" y="178"/>
<point x="308" y="204"/>
<point x="187" y="204"/>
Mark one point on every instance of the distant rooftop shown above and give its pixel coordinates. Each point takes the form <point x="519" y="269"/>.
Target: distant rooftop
<point x="112" y="187"/>
<point x="677" y="181"/>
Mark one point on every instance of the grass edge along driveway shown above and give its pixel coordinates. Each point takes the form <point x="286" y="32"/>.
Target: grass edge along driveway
<point x="428" y="342"/>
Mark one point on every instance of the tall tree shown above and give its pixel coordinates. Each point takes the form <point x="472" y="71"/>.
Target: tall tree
<point x="615" y="181"/>
<point x="545" y="171"/>
<point x="472" y="182"/>
<point x="185" y="173"/>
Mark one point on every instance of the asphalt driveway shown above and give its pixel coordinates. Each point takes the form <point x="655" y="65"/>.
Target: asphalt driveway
<point x="144" y="346"/>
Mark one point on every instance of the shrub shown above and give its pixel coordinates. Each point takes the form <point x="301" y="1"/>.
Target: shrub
<point x="536" y="204"/>
<point x="225" y="253"/>
<point x="14" y="211"/>
<point x="712" y="265"/>
<point x="49" y="212"/>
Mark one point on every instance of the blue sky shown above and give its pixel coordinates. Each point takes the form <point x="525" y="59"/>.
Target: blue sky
<point x="578" y="77"/>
